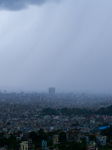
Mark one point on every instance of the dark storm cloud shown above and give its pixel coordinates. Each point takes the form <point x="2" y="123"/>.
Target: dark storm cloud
<point x="19" y="4"/>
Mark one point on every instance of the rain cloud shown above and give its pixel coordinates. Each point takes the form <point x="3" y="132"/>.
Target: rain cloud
<point x="19" y="4"/>
<point x="67" y="46"/>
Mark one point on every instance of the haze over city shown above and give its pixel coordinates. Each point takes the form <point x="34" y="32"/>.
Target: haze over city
<point x="61" y="43"/>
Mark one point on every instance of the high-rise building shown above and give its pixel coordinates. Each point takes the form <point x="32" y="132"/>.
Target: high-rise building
<point x="52" y="91"/>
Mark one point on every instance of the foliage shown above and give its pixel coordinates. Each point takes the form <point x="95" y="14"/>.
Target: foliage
<point x="10" y="142"/>
<point x="92" y="137"/>
<point x="105" y="111"/>
<point x="108" y="133"/>
<point x="72" y="145"/>
<point x="66" y="111"/>
<point x="50" y="111"/>
<point x="62" y="137"/>
<point x="39" y="136"/>
<point x="77" y="111"/>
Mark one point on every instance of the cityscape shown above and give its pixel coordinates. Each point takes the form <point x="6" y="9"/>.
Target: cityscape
<point x="55" y="75"/>
<point x="55" y="121"/>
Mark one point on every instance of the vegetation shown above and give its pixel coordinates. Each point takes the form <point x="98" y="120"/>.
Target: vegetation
<point x="105" y="111"/>
<point x="10" y="142"/>
<point x="108" y="133"/>
<point x="72" y="145"/>
<point x="50" y="111"/>
<point x="66" y="111"/>
<point x="77" y="111"/>
<point x="64" y="145"/>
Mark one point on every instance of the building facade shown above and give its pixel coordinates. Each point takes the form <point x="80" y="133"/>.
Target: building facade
<point x="51" y="91"/>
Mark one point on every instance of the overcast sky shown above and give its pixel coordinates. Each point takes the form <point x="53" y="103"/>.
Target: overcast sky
<point x="66" y="44"/>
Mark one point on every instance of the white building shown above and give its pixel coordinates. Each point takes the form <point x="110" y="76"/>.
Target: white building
<point x="24" y="145"/>
<point x="102" y="140"/>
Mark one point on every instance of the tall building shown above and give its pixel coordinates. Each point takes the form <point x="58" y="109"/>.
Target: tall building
<point x="51" y="91"/>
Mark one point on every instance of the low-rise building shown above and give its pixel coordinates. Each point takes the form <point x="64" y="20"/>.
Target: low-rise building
<point x="102" y="140"/>
<point x="55" y="139"/>
<point x="24" y="145"/>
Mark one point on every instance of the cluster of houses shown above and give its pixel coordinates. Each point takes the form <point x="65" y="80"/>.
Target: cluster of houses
<point x="75" y="135"/>
<point x="26" y="116"/>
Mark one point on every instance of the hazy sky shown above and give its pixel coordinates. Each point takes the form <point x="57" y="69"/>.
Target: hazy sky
<point x="65" y="44"/>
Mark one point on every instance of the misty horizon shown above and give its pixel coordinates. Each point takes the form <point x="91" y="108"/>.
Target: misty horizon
<point x="61" y="44"/>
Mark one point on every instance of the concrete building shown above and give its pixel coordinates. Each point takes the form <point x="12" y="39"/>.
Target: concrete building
<point x="55" y="139"/>
<point x="92" y="121"/>
<point x="102" y="140"/>
<point x="51" y="91"/>
<point x="24" y="145"/>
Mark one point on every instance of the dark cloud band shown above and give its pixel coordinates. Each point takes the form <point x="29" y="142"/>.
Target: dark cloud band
<point x="19" y="4"/>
